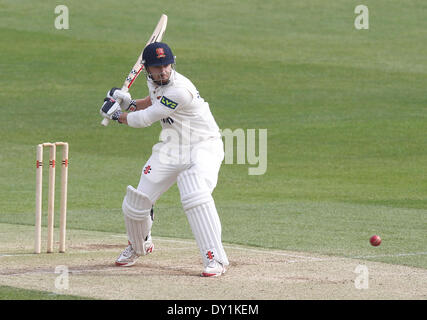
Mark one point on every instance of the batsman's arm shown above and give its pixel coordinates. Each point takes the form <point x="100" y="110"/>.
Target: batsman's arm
<point x="142" y="104"/>
<point x="160" y="109"/>
<point x="145" y="117"/>
<point x="123" y="118"/>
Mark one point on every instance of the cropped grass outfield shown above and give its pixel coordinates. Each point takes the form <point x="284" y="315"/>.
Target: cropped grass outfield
<point x="345" y="109"/>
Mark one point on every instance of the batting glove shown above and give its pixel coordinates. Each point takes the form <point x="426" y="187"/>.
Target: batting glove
<point x="126" y="102"/>
<point x="111" y="109"/>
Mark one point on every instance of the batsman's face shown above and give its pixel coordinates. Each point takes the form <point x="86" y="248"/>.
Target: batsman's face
<point x="160" y="74"/>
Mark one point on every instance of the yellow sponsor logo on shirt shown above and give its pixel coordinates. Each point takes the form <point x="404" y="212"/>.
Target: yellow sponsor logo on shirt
<point x="168" y="103"/>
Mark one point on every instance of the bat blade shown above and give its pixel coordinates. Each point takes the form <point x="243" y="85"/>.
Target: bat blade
<point x="160" y="29"/>
<point x="157" y="36"/>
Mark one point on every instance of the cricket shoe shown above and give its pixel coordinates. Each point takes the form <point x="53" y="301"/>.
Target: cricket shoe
<point x="128" y="257"/>
<point x="214" y="269"/>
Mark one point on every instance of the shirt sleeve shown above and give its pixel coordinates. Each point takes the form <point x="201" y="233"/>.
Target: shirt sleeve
<point x="164" y="107"/>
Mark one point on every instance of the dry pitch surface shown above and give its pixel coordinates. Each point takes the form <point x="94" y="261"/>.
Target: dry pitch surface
<point x="172" y="271"/>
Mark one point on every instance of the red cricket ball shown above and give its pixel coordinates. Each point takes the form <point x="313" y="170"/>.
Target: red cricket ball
<point x="375" y="240"/>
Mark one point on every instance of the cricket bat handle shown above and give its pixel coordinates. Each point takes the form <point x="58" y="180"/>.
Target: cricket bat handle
<point x="106" y="121"/>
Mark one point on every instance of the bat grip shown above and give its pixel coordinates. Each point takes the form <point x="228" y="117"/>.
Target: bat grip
<point x="106" y="121"/>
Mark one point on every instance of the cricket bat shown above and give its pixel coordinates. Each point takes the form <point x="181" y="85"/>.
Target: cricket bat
<point x="138" y="67"/>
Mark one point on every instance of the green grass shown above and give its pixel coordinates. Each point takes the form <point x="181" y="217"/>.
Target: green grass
<point x="345" y="112"/>
<point x="10" y="293"/>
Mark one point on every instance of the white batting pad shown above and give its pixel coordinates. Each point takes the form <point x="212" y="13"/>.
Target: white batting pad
<point x="136" y="205"/>
<point x="136" y="209"/>
<point x="193" y="190"/>
<point x="203" y="217"/>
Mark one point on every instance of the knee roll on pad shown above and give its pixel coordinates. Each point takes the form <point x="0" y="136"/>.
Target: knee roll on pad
<point x="136" y="205"/>
<point x="193" y="190"/>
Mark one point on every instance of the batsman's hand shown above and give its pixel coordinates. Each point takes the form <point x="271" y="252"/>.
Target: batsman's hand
<point x="125" y="99"/>
<point x="110" y="109"/>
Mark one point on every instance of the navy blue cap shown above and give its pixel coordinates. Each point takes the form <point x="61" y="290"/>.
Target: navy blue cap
<point x="157" y="54"/>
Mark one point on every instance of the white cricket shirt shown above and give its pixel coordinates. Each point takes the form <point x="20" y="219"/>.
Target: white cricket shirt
<point x="183" y="114"/>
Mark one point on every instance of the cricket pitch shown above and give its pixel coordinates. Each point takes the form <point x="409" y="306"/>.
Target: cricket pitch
<point x="173" y="270"/>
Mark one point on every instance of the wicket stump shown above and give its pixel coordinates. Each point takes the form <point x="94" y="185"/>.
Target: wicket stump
<point x="51" y="196"/>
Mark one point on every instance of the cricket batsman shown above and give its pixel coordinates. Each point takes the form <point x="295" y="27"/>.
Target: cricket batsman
<point x="190" y="153"/>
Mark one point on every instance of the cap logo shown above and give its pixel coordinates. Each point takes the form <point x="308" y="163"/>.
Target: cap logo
<point x="160" y="53"/>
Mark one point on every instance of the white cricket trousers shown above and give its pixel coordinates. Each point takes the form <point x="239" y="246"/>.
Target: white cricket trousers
<point x="195" y="170"/>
